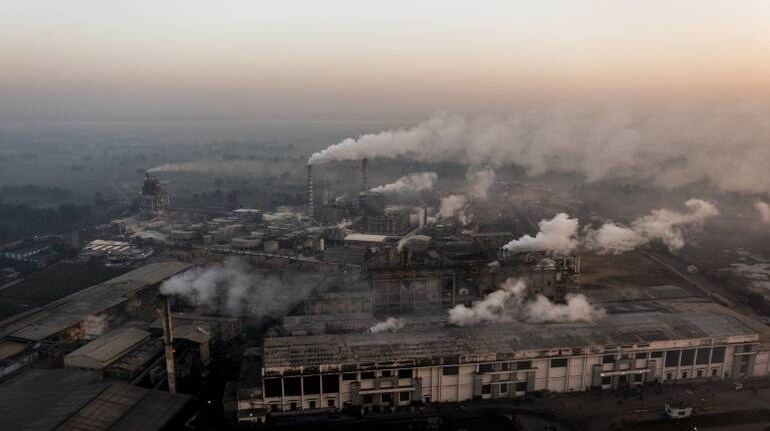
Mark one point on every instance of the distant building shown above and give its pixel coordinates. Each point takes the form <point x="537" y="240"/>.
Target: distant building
<point x="154" y="199"/>
<point x="39" y="251"/>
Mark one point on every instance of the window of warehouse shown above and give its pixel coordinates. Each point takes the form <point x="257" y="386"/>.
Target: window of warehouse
<point x="688" y="357"/>
<point x="405" y="374"/>
<point x="403" y="396"/>
<point x="521" y="386"/>
<point x="702" y="357"/>
<point x="349" y="376"/>
<point x="312" y="385"/>
<point x="451" y="371"/>
<point x="292" y="386"/>
<point x="607" y="359"/>
<point x="367" y="375"/>
<point x="559" y="363"/>
<point x="672" y="358"/>
<point x="486" y="368"/>
<point x="272" y="388"/>
<point x="331" y="383"/>
<point x="641" y="355"/>
<point x="524" y="365"/>
<point x="486" y="389"/>
<point x="718" y="355"/>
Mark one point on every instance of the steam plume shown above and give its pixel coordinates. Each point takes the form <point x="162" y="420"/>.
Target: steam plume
<point x="510" y="303"/>
<point x="413" y="182"/>
<point x="764" y="211"/>
<point x="558" y="235"/>
<point x="236" y="290"/>
<point x="391" y="324"/>
<point x="663" y="225"/>
<point x="454" y="206"/>
<point x="670" y="147"/>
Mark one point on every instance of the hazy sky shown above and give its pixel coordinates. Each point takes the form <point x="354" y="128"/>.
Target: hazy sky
<point x="192" y="59"/>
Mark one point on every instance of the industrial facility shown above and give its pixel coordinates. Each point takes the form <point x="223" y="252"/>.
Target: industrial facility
<point x="341" y="308"/>
<point x="438" y="363"/>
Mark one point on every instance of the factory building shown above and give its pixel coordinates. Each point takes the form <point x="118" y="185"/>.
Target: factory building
<point x="429" y="362"/>
<point x="103" y="351"/>
<point x="153" y="200"/>
<point x="39" y="251"/>
<point x="89" y="313"/>
<point x="426" y="277"/>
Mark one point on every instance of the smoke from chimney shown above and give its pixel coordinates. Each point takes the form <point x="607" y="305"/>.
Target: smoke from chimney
<point x="671" y="146"/>
<point x="411" y="183"/>
<point x="511" y="303"/>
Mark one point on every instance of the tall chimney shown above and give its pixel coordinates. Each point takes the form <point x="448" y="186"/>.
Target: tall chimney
<point x="168" y="344"/>
<point x="364" y="174"/>
<point x="425" y="217"/>
<point x="310" y="198"/>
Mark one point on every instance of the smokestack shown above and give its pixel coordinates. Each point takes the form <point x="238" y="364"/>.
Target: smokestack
<point x="310" y="198"/>
<point x="364" y="174"/>
<point x="425" y="217"/>
<point x="168" y="344"/>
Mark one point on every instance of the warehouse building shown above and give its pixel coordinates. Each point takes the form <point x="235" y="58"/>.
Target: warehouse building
<point x="109" y="348"/>
<point x="88" y="313"/>
<point x="440" y="363"/>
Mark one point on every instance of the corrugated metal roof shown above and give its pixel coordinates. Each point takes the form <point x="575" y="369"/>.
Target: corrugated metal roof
<point x="71" y="310"/>
<point x="435" y="341"/>
<point x="106" y="349"/>
<point x="363" y="237"/>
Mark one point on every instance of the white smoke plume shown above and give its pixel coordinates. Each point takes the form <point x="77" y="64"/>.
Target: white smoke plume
<point x="510" y="303"/>
<point x="412" y="182"/>
<point x="417" y="215"/>
<point x="558" y="235"/>
<point x="663" y="225"/>
<point x="235" y="289"/>
<point x="344" y="224"/>
<point x="209" y="166"/>
<point x="391" y="324"/>
<point x="480" y="183"/>
<point x="455" y="206"/>
<point x="669" y="146"/>
<point x="764" y="211"/>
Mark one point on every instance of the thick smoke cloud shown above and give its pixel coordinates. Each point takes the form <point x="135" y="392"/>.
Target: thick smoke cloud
<point x="663" y="225"/>
<point x="726" y="147"/>
<point x="413" y="182"/>
<point x="510" y="303"/>
<point x="455" y="206"/>
<point x="391" y="324"/>
<point x="558" y="235"/>
<point x="235" y="289"/>
<point x="764" y="211"/>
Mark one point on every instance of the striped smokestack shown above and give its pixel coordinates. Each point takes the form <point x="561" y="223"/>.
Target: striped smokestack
<point x="310" y="197"/>
<point x="168" y="344"/>
<point x="365" y="175"/>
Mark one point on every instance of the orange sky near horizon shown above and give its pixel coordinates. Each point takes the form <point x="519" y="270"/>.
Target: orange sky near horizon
<point x="89" y="59"/>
